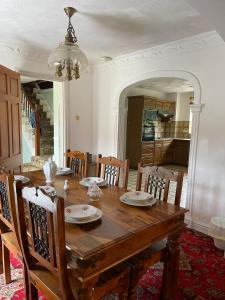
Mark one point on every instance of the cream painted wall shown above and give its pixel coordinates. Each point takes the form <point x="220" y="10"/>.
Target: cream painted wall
<point x="203" y="57"/>
<point x="183" y="106"/>
<point x="80" y="113"/>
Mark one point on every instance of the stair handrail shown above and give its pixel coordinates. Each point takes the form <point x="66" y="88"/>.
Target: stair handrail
<point x="28" y="106"/>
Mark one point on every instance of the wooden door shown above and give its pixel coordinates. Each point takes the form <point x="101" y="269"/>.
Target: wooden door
<point x="10" y="120"/>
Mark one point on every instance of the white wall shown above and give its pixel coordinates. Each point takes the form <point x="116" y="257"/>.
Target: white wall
<point x="183" y="106"/>
<point x="203" y="56"/>
<point x="80" y="113"/>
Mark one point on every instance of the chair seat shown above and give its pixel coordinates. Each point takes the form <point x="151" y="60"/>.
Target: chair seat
<point x="41" y="277"/>
<point x="9" y="239"/>
<point x="111" y="281"/>
<point x="141" y="262"/>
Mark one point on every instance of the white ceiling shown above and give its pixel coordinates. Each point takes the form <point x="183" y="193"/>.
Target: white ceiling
<point x="166" y="85"/>
<point x="25" y="79"/>
<point x="103" y="27"/>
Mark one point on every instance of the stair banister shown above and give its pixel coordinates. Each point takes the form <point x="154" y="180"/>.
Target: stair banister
<point x="29" y="107"/>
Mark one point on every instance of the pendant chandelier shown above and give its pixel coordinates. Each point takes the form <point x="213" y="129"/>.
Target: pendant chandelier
<point x="67" y="59"/>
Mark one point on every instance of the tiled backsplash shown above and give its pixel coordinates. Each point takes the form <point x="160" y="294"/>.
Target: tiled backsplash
<point x="176" y="129"/>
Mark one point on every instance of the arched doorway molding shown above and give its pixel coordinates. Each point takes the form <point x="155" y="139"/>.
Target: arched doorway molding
<point x="121" y="117"/>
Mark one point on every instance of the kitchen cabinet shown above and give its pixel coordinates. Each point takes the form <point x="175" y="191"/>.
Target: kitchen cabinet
<point x="135" y="149"/>
<point x="158" y="153"/>
<point x="165" y="151"/>
<point x="134" y="131"/>
<point x="147" y="153"/>
<point x="181" y="151"/>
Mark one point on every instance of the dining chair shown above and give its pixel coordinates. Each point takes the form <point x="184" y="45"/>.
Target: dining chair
<point x="78" y="162"/>
<point x="45" y="253"/>
<point x="8" y="225"/>
<point x="156" y="181"/>
<point x="113" y="170"/>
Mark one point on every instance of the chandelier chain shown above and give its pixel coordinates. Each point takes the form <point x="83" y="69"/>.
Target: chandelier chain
<point x="71" y="32"/>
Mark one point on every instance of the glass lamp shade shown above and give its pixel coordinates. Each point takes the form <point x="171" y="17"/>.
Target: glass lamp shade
<point x="68" y="61"/>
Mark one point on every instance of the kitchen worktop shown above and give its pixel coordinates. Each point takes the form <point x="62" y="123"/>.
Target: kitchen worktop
<point x="167" y="139"/>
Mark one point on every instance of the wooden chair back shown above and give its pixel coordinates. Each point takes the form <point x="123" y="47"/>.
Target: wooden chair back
<point x="78" y="162"/>
<point x="7" y="201"/>
<point x="157" y="182"/>
<point x="43" y="220"/>
<point x="112" y="170"/>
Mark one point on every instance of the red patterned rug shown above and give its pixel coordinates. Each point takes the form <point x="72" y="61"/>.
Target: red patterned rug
<point x="201" y="276"/>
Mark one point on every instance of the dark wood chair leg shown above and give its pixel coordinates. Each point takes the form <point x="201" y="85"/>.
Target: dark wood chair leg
<point x="33" y="292"/>
<point x="171" y="268"/>
<point x="26" y="281"/>
<point x="132" y="294"/>
<point x="1" y="257"/>
<point x="6" y="264"/>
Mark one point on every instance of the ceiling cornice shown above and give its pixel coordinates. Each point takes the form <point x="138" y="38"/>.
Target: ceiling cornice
<point x="180" y="46"/>
<point x="189" y="44"/>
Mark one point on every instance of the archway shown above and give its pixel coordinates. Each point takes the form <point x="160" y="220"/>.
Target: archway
<point x="195" y="110"/>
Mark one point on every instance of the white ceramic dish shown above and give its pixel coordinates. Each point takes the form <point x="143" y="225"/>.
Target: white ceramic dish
<point x="50" y="190"/>
<point x="21" y="178"/>
<point x="64" y="171"/>
<point x="88" y="181"/>
<point x="147" y="202"/>
<point x="80" y="211"/>
<point x="93" y="218"/>
<point x="136" y="196"/>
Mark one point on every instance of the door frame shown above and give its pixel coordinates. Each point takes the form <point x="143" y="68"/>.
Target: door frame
<point x="196" y="108"/>
<point x="62" y="124"/>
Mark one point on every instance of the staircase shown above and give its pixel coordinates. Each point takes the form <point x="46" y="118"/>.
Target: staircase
<point x="32" y="90"/>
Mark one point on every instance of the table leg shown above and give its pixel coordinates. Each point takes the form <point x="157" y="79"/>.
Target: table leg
<point x="171" y="268"/>
<point x="86" y="292"/>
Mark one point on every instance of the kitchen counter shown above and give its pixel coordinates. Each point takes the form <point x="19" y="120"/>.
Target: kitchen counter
<point x="182" y="139"/>
<point x="167" y="139"/>
<point x="164" y="151"/>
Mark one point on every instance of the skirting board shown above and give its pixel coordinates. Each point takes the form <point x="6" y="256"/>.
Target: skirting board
<point x="203" y="228"/>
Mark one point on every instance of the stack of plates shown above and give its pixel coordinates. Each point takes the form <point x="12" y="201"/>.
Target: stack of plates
<point x="88" y="181"/>
<point x="64" y="171"/>
<point x="82" y="214"/>
<point x="138" y="198"/>
<point x="21" y="178"/>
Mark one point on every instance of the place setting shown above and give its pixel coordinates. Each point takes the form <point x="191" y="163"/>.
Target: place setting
<point x="89" y="181"/>
<point x="21" y="178"/>
<point x="49" y="190"/>
<point x="82" y="214"/>
<point x="138" y="198"/>
<point x="64" y="171"/>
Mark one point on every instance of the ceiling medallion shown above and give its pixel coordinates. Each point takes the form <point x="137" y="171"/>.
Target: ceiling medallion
<point x="67" y="59"/>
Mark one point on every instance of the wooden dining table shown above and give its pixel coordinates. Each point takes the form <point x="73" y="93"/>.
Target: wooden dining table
<point x="122" y="232"/>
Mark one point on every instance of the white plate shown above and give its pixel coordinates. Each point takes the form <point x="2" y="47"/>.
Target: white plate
<point x="136" y="196"/>
<point x="50" y="190"/>
<point x="93" y="218"/>
<point x="80" y="211"/>
<point x="147" y="202"/>
<point x="21" y="178"/>
<point x="88" y="181"/>
<point x="64" y="171"/>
